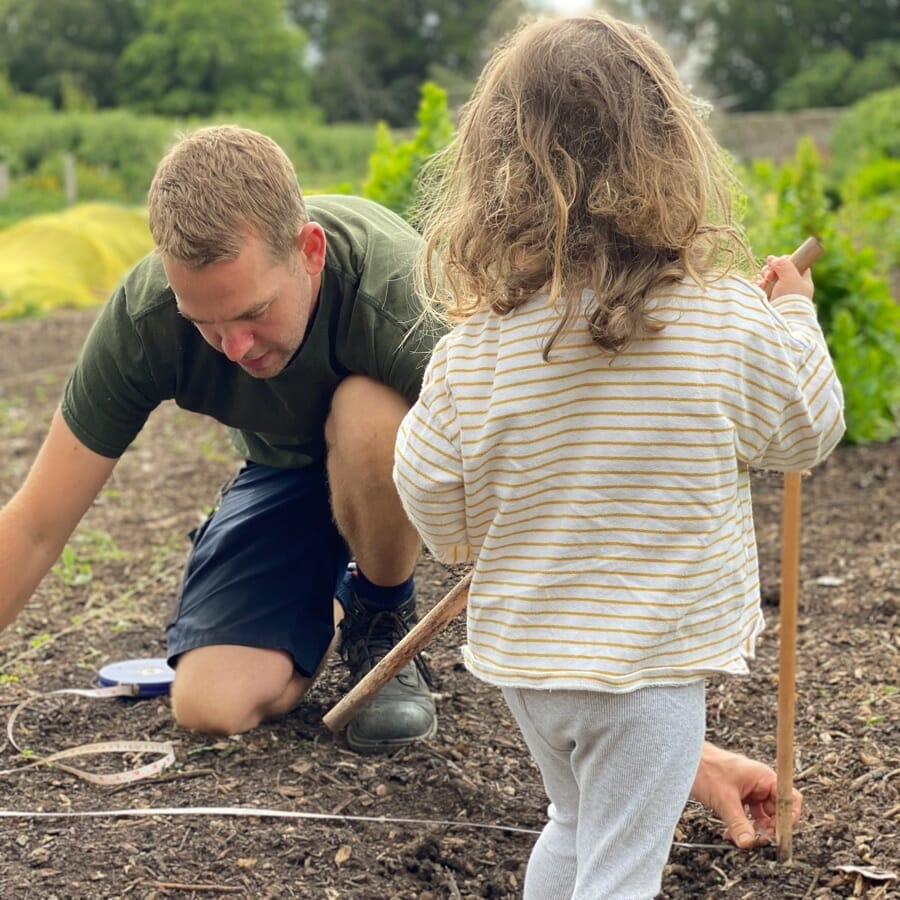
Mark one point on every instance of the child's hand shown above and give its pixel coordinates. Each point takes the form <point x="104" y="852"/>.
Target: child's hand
<point x="784" y="278"/>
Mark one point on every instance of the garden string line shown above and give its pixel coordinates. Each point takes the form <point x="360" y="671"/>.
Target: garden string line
<point x="166" y="757"/>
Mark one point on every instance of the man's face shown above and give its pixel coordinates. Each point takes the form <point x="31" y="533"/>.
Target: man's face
<point x="253" y="309"/>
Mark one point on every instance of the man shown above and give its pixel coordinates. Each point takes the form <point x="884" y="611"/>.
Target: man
<point x="298" y="327"/>
<point x="311" y="357"/>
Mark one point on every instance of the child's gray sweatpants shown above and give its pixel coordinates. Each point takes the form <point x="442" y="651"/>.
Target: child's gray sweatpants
<point x="617" y="769"/>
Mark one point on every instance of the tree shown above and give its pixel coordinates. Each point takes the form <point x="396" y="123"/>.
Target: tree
<point x="65" y="49"/>
<point x="374" y="55"/>
<point x="199" y="56"/>
<point x="750" y="49"/>
<point x="837" y="78"/>
<point x="759" y="46"/>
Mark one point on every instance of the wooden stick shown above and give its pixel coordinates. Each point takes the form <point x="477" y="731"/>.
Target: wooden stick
<point x="803" y="257"/>
<point x="431" y="625"/>
<point x="787" y="657"/>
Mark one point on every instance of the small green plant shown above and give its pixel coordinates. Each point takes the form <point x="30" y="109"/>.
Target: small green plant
<point x="13" y="416"/>
<point x="97" y="546"/>
<point x="72" y="571"/>
<point x="89" y="658"/>
<point x="88" y="547"/>
<point x="222" y="749"/>
<point x="38" y="640"/>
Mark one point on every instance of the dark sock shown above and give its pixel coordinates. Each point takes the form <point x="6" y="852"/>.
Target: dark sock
<point x="377" y="596"/>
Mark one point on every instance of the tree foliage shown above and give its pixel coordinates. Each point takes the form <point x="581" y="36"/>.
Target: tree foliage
<point x="171" y="56"/>
<point x="225" y="55"/>
<point x="751" y="49"/>
<point x="65" y="50"/>
<point x="838" y="78"/>
<point x="374" y="55"/>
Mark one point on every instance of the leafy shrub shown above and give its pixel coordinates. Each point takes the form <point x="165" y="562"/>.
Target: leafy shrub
<point x="870" y="210"/>
<point x="865" y="343"/>
<point x="860" y="319"/>
<point x="26" y="141"/>
<point x="121" y="149"/>
<point x="31" y="195"/>
<point x="12" y="101"/>
<point x="324" y="155"/>
<point x="868" y="132"/>
<point x="394" y="166"/>
<point x="126" y="145"/>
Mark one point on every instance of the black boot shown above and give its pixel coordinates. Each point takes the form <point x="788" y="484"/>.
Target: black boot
<point x="403" y="710"/>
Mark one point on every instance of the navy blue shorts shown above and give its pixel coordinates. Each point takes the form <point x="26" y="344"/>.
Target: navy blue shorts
<point x="263" y="569"/>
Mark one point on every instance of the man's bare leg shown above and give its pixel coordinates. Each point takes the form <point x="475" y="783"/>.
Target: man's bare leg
<point x="360" y="434"/>
<point x="229" y="689"/>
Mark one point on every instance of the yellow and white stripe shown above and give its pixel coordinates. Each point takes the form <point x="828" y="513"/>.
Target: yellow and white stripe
<point x="606" y="502"/>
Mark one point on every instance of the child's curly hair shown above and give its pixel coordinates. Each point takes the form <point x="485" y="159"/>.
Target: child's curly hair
<point x="581" y="161"/>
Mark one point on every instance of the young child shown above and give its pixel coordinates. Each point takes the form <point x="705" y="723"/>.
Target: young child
<point x="585" y="432"/>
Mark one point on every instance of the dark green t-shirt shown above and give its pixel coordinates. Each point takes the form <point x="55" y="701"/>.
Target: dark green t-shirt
<point x="141" y="352"/>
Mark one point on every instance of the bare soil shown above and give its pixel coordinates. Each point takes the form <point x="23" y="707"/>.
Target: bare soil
<point x="474" y="782"/>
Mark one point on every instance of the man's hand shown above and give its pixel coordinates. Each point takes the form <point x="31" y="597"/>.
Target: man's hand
<point x="742" y="792"/>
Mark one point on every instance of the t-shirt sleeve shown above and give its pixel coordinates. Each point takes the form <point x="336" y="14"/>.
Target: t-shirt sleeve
<point x="406" y="358"/>
<point x="111" y="391"/>
<point x="388" y="335"/>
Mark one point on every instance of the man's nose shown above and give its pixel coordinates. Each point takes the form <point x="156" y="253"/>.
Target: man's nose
<point x="236" y="343"/>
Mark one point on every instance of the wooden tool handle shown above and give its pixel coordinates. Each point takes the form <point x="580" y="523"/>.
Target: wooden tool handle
<point x="803" y="258"/>
<point x="431" y="625"/>
<point x="787" y="660"/>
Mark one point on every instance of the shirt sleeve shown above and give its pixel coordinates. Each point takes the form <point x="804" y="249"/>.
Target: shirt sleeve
<point x="428" y="467"/>
<point x="111" y="392"/>
<point x="811" y="419"/>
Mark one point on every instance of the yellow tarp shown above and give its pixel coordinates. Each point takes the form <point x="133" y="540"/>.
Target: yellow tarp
<point x="69" y="259"/>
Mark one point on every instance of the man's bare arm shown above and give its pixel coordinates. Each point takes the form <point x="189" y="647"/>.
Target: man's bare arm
<point x="36" y="523"/>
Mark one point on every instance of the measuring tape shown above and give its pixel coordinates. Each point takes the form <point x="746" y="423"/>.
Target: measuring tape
<point x="166" y="753"/>
<point x="162" y="749"/>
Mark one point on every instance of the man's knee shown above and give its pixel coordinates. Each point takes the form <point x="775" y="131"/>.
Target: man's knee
<point x="224" y="690"/>
<point x="365" y="414"/>
<point x="209" y="716"/>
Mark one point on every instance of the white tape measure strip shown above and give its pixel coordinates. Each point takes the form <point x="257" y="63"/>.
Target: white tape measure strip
<point x="251" y="812"/>
<point x="164" y="750"/>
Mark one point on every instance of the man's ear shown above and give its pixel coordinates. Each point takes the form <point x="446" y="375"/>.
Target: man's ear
<point x="311" y="245"/>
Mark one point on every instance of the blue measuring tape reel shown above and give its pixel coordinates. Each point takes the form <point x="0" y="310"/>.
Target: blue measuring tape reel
<point x="151" y="677"/>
